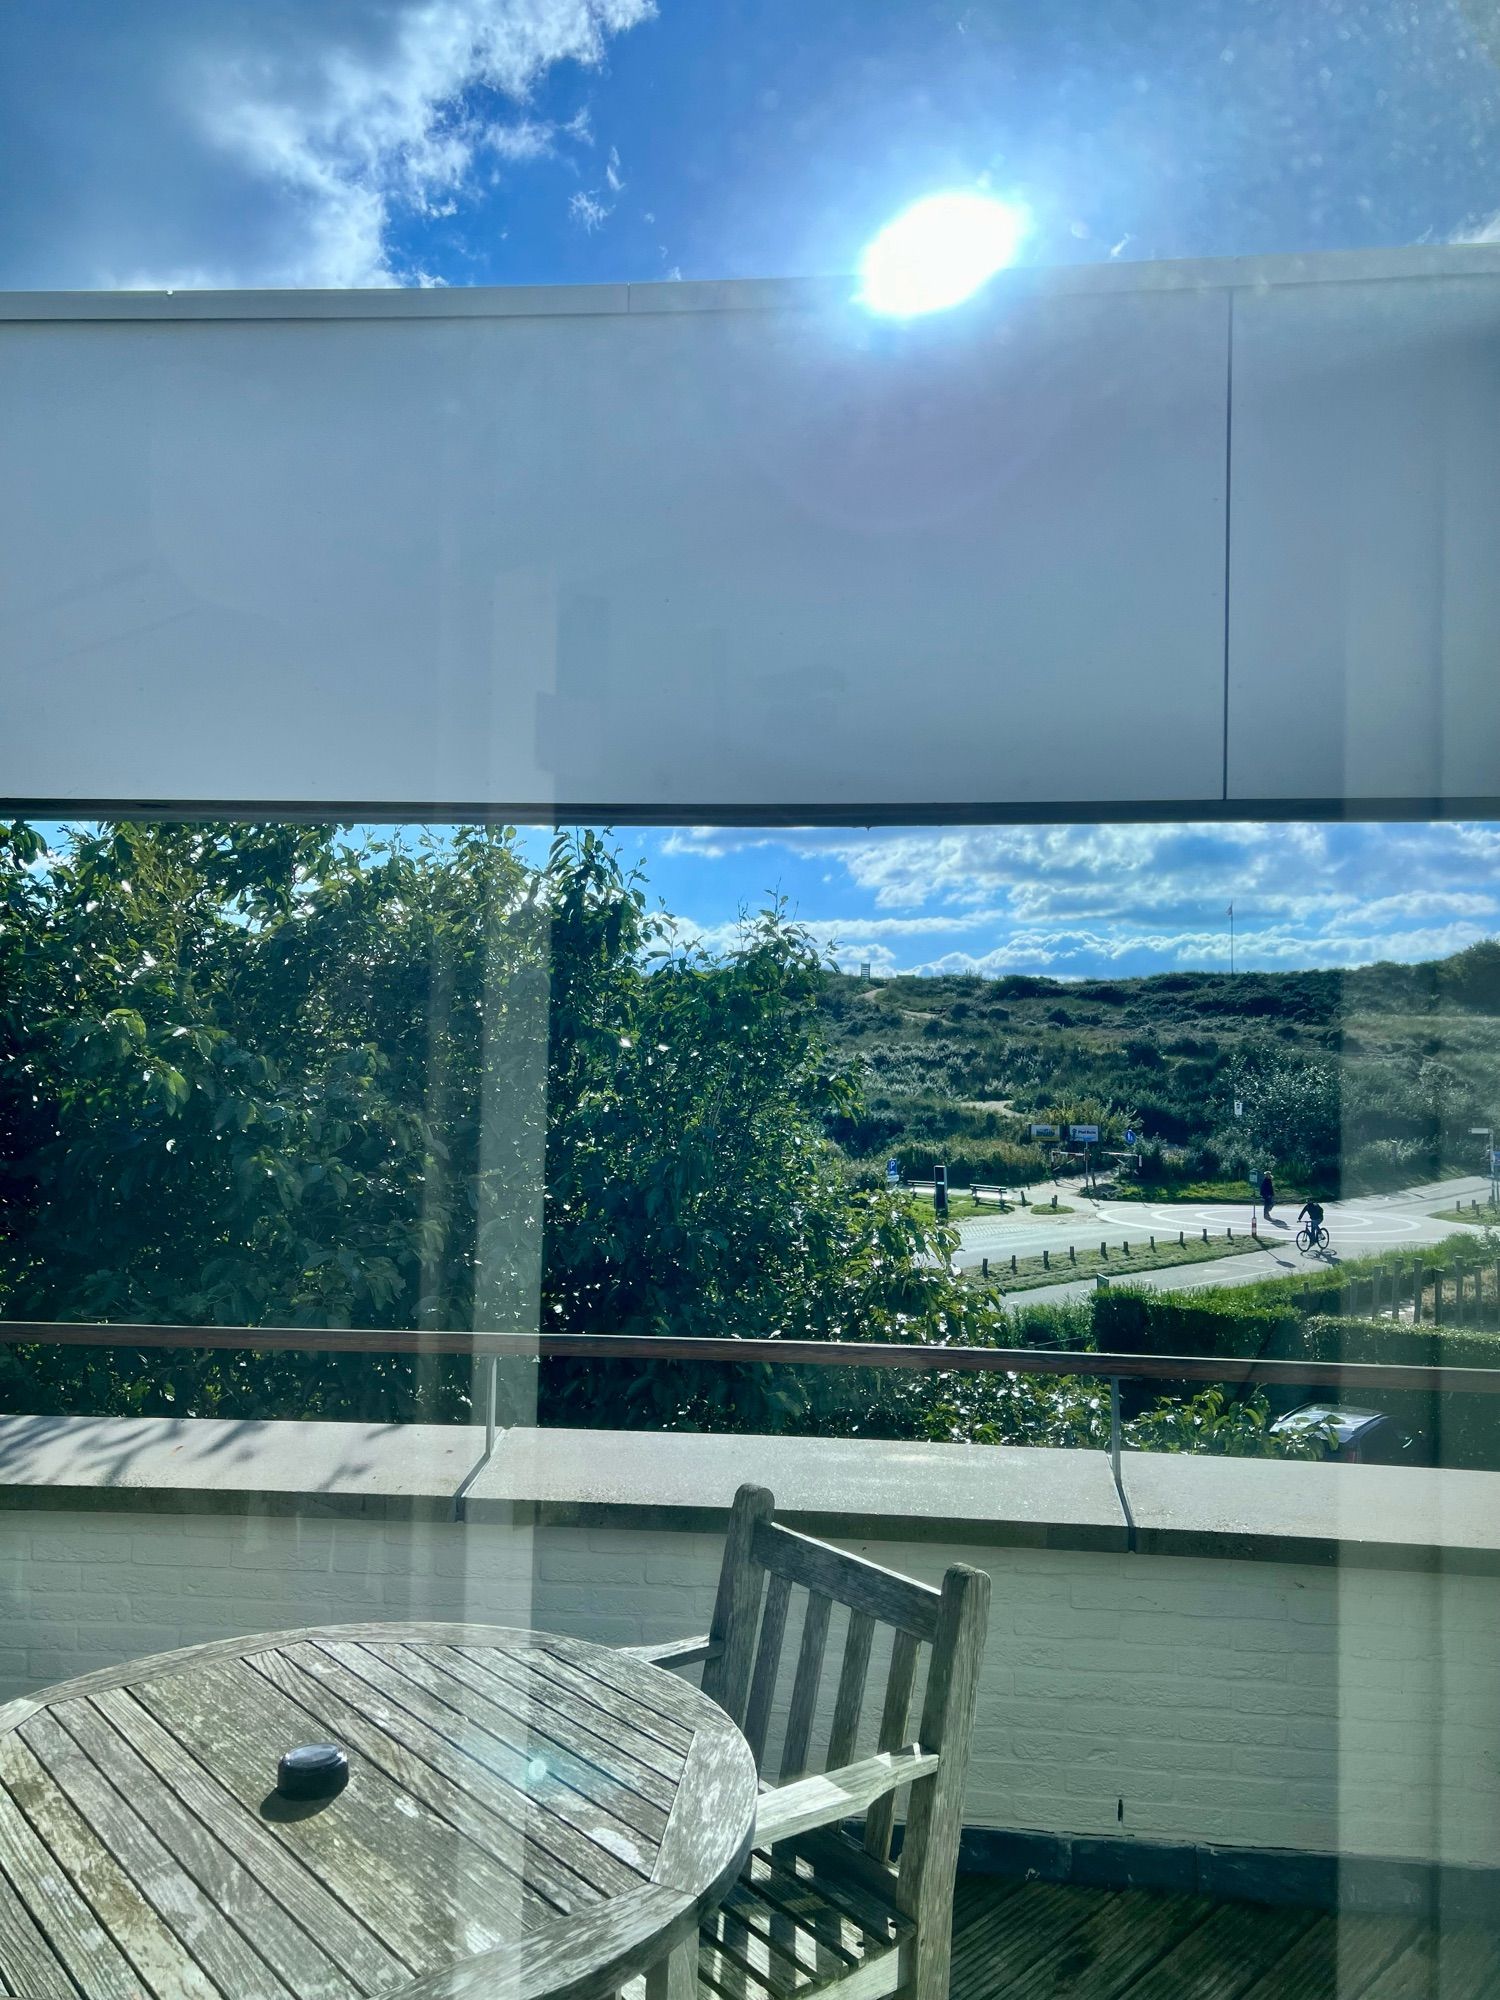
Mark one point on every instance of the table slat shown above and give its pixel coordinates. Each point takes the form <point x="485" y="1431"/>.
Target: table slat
<point x="656" y="1741"/>
<point x="541" y="1704"/>
<point x="292" y="1954"/>
<point x="663" y="1704"/>
<point x="71" y="1929"/>
<point x="281" y="1874"/>
<point x="607" y="1835"/>
<point x="158" y="1956"/>
<point x="408" y="1877"/>
<point x="501" y="1821"/>
<point x="606" y="1807"/>
<point x="28" y="1960"/>
<point x="199" y="1924"/>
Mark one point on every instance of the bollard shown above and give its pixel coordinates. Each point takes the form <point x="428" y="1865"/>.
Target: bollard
<point x="1182" y="1239"/>
<point x="1103" y="1249"/>
<point x="1229" y="1232"/>
<point x="1127" y="1249"/>
<point x="1046" y="1261"/>
<point x="1012" y="1263"/>
<point x="1054" y="1201"/>
<point x="1073" y="1259"/>
<point x="1153" y="1242"/>
<point x="984" y="1268"/>
<point x="1205" y="1232"/>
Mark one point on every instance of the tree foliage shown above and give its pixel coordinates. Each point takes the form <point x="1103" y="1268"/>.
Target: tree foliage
<point x="271" y="1075"/>
<point x="262" y="1075"/>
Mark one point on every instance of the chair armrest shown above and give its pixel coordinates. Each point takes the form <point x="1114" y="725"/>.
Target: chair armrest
<point x="837" y="1795"/>
<point x="676" y="1652"/>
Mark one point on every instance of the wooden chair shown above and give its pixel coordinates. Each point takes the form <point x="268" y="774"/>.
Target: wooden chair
<point x="817" y="1909"/>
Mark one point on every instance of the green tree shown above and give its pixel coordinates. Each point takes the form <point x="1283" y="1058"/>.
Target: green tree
<point x="1290" y="1117"/>
<point x="260" y="1075"/>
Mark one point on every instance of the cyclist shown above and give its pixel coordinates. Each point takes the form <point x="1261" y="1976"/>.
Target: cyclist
<point x="1312" y="1213"/>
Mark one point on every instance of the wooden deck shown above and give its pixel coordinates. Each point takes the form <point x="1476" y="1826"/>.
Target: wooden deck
<point x="1054" y="1941"/>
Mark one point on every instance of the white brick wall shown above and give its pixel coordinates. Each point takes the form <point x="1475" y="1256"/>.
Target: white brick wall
<point x="1257" y="1703"/>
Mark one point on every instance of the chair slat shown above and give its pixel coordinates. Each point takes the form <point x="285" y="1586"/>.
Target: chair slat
<point x="863" y="1586"/>
<point x="934" y="1820"/>
<point x="894" y="1719"/>
<point x="767" y="1661"/>
<point x="851" y="1694"/>
<point x="726" y="1673"/>
<point x="799" y="1720"/>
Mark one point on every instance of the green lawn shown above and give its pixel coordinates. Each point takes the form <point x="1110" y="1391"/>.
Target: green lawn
<point x="1031" y="1274"/>
<point x="1483" y="1211"/>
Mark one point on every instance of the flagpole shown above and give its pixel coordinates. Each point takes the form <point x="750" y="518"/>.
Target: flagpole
<point x="1231" y="937"/>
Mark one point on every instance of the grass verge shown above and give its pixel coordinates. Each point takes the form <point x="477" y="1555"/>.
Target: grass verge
<point x="1480" y="1212"/>
<point x="1032" y="1275"/>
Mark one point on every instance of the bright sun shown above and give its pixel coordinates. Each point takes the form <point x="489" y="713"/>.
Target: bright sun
<point x="939" y="252"/>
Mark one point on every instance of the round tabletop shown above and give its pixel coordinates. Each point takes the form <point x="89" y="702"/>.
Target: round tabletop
<point x="524" y="1814"/>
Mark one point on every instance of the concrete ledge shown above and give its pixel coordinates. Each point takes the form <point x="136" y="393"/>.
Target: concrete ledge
<point x="1258" y="1510"/>
<point x="1423" y="261"/>
<point x="994" y="1495"/>
<point x="203" y="1465"/>
<point x="1274" y="1510"/>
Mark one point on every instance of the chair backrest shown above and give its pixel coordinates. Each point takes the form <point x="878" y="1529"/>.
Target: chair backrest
<point x="763" y="1565"/>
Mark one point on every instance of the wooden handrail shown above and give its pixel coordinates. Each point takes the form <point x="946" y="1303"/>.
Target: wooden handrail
<point x="925" y="1357"/>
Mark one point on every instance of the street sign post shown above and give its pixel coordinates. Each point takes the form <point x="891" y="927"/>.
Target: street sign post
<point x="893" y="1173"/>
<point x="1085" y="1136"/>
<point x="940" y="1191"/>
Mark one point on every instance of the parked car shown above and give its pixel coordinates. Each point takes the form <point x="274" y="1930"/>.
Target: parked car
<point x="1354" y="1437"/>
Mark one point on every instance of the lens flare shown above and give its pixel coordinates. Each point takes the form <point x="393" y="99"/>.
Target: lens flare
<point x="938" y="252"/>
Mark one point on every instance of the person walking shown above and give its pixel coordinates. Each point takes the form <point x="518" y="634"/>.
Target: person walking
<point x="1267" y="1195"/>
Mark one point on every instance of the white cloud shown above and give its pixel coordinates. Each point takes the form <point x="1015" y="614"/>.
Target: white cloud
<point x="1071" y="901"/>
<point x="524" y="139"/>
<point x="588" y="211"/>
<point x="213" y="141"/>
<point x="588" y="207"/>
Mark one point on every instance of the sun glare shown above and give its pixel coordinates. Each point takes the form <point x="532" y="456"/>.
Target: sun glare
<point x="939" y="252"/>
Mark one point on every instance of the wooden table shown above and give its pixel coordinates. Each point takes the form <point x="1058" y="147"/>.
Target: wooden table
<point x="525" y="1816"/>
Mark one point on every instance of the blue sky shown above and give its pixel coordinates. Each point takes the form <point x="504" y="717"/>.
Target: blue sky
<point x="1074" y="902"/>
<point x="509" y="141"/>
<point x="343" y="142"/>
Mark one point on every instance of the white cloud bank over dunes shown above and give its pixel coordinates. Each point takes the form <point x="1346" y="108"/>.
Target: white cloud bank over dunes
<point x="219" y="142"/>
<point x="1077" y="901"/>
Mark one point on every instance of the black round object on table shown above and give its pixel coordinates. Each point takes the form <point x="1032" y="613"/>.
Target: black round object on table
<point x="312" y="1771"/>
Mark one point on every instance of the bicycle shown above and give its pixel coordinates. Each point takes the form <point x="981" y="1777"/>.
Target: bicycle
<point x="1308" y="1239"/>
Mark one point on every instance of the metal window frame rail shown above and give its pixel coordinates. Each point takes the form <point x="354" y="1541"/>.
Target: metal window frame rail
<point x="928" y="1357"/>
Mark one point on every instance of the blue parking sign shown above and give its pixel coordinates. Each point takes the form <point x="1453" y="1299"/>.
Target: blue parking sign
<point x="893" y="1172"/>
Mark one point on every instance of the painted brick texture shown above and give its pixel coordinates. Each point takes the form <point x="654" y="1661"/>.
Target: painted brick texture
<point x="1260" y="1704"/>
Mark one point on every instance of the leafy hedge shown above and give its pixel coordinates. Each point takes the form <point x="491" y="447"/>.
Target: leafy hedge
<point x="987" y="1162"/>
<point x="1457" y="1429"/>
<point x="1143" y="1322"/>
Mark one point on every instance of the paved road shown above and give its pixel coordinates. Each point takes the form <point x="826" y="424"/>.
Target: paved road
<point x="1358" y="1227"/>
